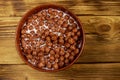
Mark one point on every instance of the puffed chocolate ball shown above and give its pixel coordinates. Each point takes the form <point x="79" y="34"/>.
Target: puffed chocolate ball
<point x="42" y="49"/>
<point x="57" y="50"/>
<point x="40" y="65"/>
<point x="71" y="58"/>
<point x="78" y="33"/>
<point x="29" y="56"/>
<point x="52" y="58"/>
<point x="52" y="52"/>
<point x="55" y="66"/>
<point x="54" y="37"/>
<point x="66" y="17"/>
<point x="34" y="53"/>
<point x="66" y="61"/>
<point x="62" y="53"/>
<point x="61" y="58"/>
<point x="75" y="38"/>
<point x="76" y="51"/>
<point x="71" y="20"/>
<point x="47" y="49"/>
<point x="23" y="31"/>
<point x="61" y="41"/>
<point x="67" y="55"/>
<point x="61" y="63"/>
<point x="49" y="44"/>
<point x="67" y="45"/>
<point x="40" y="54"/>
<point x="57" y="55"/>
<point x="72" y="47"/>
<point x="71" y="40"/>
<point x="34" y="17"/>
<point x="74" y="30"/>
<point x="50" y="10"/>
<point x="60" y="14"/>
<point x="49" y="65"/>
<point x="29" y="51"/>
<point x="56" y="60"/>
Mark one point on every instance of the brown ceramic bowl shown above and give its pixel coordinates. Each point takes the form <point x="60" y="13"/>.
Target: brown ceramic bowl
<point x="35" y="10"/>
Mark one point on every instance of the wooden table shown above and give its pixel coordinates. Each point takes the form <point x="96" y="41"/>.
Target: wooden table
<point x="101" y="56"/>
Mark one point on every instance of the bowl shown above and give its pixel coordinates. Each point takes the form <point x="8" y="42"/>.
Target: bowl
<point x="81" y="38"/>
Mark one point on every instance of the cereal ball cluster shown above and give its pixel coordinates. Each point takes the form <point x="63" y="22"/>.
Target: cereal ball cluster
<point x="50" y="38"/>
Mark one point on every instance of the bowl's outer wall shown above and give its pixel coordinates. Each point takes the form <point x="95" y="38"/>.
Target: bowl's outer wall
<point x="35" y="10"/>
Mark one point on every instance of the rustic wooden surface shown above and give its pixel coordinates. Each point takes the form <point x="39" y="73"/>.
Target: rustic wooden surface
<point x="101" y="56"/>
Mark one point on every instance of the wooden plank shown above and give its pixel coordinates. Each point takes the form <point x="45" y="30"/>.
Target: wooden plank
<point x="79" y="7"/>
<point x="77" y="2"/>
<point x="102" y="39"/>
<point x="70" y="2"/>
<point x="8" y="52"/>
<point x="76" y="72"/>
<point x="91" y="24"/>
<point x="95" y="50"/>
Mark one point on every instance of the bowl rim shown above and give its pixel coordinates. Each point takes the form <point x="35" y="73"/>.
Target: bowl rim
<point x="30" y="12"/>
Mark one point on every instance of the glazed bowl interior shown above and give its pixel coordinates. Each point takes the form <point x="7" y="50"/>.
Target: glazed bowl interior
<point x="35" y="10"/>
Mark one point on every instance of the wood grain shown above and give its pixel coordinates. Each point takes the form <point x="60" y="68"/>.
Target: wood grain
<point x="101" y="25"/>
<point x="76" y="72"/>
<point x="79" y="7"/>
<point x="102" y="39"/>
<point x="100" y="59"/>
